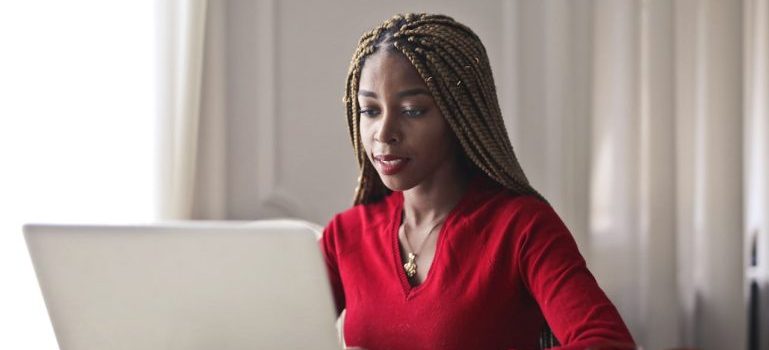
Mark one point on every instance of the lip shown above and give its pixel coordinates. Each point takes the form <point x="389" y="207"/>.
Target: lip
<point x="390" y="164"/>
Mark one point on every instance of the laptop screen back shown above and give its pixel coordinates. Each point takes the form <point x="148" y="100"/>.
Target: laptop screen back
<point x="209" y="285"/>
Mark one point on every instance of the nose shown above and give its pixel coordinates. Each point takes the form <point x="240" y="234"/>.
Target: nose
<point x="389" y="129"/>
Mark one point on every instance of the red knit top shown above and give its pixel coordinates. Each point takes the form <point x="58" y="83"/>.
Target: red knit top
<point x="503" y="265"/>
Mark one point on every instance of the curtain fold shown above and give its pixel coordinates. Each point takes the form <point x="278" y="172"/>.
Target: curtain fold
<point x="658" y="297"/>
<point x="717" y="220"/>
<point x="756" y="201"/>
<point x="614" y="196"/>
<point x="665" y="130"/>
<point x="209" y="199"/>
<point x="181" y="34"/>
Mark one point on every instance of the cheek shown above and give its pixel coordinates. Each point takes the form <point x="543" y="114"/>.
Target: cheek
<point x="443" y="147"/>
<point x="364" y="131"/>
<point x="439" y="140"/>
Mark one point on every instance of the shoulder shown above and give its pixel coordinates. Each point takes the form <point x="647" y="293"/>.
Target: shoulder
<point x="489" y="202"/>
<point x="510" y="218"/>
<point x="528" y="213"/>
<point x="363" y="216"/>
<point x="536" y="230"/>
<point x="529" y="226"/>
<point x="514" y="213"/>
<point x="521" y="204"/>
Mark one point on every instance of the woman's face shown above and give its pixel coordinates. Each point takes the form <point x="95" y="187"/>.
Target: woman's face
<point x="404" y="134"/>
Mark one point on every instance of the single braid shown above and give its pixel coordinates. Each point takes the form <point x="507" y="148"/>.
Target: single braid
<point x="453" y="63"/>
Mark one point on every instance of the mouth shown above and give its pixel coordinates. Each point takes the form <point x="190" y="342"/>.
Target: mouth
<point x="389" y="164"/>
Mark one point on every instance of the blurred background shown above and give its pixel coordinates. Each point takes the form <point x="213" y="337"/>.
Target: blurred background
<point x="644" y="122"/>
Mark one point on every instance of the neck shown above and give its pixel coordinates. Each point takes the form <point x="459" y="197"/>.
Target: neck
<point x="432" y="200"/>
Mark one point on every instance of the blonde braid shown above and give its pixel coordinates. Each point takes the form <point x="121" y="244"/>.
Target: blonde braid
<point x="453" y="63"/>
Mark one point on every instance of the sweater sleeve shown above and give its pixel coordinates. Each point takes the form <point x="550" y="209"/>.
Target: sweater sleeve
<point x="577" y="310"/>
<point x="328" y="248"/>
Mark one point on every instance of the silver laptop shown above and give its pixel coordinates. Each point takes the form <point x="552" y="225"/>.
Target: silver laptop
<point x="214" y="285"/>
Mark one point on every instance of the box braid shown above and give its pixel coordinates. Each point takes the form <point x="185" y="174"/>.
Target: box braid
<point x="453" y="63"/>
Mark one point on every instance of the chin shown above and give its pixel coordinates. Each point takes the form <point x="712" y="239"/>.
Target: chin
<point x="395" y="183"/>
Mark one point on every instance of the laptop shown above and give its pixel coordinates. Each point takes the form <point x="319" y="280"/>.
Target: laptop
<point x="201" y="285"/>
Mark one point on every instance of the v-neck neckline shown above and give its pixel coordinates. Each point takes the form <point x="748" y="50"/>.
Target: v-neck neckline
<point x="410" y="291"/>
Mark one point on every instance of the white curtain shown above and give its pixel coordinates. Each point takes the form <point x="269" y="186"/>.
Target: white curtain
<point x="181" y="34"/>
<point x="756" y="131"/>
<point x="645" y="124"/>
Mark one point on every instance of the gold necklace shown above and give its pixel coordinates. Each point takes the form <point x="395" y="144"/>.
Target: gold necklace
<point x="411" y="265"/>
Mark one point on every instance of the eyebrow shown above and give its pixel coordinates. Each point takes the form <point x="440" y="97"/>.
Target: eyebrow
<point x="402" y="94"/>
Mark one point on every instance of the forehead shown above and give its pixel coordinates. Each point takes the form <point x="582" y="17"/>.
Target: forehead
<point x="388" y="70"/>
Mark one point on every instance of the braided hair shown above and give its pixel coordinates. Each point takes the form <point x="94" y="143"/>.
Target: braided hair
<point x="453" y="63"/>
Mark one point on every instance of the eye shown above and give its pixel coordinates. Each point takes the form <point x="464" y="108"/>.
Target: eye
<point x="369" y="112"/>
<point x="413" y="112"/>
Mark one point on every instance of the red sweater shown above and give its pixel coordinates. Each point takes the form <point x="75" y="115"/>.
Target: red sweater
<point x="503" y="265"/>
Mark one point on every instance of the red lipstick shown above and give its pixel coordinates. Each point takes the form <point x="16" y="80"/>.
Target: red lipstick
<point x="389" y="164"/>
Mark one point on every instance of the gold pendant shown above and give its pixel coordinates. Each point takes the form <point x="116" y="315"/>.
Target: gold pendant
<point x="411" y="266"/>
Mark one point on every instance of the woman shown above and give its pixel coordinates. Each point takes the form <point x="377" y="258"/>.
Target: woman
<point x="448" y="246"/>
